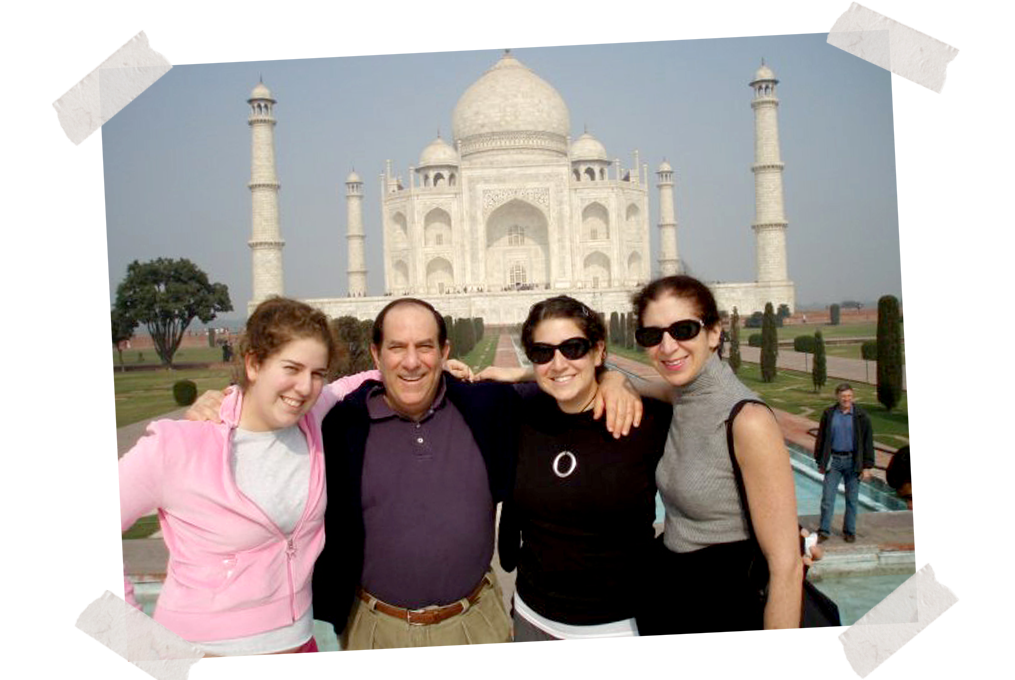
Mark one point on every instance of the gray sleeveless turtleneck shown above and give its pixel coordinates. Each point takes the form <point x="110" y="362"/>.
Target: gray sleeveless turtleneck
<point x="695" y="477"/>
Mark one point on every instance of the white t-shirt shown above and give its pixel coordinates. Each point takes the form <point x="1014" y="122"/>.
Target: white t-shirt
<point x="273" y="470"/>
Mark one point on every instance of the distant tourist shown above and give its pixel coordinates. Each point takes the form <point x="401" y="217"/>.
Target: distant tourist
<point x="900" y="475"/>
<point x="844" y="450"/>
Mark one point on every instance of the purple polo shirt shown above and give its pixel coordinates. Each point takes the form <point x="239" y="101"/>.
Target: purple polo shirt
<point x="427" y="508"/>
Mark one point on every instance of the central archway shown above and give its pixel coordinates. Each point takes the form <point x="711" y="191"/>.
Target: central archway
<point x="517" y="239"/>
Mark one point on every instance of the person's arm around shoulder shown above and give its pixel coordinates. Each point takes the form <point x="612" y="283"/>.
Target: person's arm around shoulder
<point x="771" y="497"/>
<point x="620" y="401"/>
<point x="337" y="390"/>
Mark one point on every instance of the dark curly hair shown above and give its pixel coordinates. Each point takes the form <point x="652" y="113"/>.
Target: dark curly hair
<point x="563" y="307"/>
<point x="278" y="321"/>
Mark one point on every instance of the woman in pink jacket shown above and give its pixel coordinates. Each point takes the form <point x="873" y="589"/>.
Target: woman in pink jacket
<point x="241" y="502"/>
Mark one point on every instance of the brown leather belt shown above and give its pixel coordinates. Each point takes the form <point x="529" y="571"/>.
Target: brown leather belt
<point x="429" y="615"/>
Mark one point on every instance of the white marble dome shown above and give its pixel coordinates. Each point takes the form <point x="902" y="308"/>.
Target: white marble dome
<point x="764" y="73"/>
<point x="438" y="152"/>
<point x="588" y="148"/>
<point x="353" y="178"/>
<point x="665" y="167"/>
<point x="261" y="91"/>
<point x="510" y="98"/>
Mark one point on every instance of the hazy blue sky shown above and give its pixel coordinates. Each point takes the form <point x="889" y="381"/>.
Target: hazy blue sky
<point x="177" y="159"/>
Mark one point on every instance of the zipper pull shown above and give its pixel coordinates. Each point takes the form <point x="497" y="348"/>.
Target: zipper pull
<point x="290" y="549"/>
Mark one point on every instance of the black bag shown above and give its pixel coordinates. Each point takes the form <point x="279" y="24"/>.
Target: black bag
<point x="818" y="609"/>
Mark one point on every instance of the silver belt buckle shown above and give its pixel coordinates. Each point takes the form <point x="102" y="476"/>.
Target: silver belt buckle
<point x="408" y="616"/>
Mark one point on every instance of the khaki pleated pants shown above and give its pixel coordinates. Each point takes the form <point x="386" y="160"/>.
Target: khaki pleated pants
<point x="481" y="632"/>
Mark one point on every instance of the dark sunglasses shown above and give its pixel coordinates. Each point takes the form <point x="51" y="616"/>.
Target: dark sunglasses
<point x="572" y="348"/>
<point x="650" y="336"/>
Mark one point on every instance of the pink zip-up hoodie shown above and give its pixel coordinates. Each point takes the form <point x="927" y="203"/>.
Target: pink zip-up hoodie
<point x="232" y="572"/>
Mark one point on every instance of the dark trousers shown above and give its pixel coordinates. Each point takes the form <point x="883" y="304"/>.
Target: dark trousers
<point x="714" y="589"/>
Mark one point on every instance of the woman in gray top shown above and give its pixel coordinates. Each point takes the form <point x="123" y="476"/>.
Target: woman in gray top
<point x="704" y="568"/>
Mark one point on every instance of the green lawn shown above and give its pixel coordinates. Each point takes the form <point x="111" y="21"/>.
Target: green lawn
<point x="910" y="352"/>
<point x="144" y="394"/>
<point x="184" y="355"/>
<point x="143" y="528"/>
<point x="482" y="354"/>
<point x="793" y="392"/>
<point x="909" y="329"/>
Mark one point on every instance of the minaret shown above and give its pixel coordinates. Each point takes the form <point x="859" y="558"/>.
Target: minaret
<point x="266" y="238"/>
<point x="669" y="263"/>
<point x="769" y="216"/>
<point x="357" y="268"/>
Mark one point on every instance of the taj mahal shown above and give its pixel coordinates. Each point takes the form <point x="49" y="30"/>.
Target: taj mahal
<point x="510" y="210"/>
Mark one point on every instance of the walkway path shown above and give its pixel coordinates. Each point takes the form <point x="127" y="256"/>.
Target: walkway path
<point x="843" y="368"/>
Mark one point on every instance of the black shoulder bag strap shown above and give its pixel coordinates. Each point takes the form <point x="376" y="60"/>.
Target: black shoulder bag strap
<point x="818" y="609"/>
<point x="758" y="570"/>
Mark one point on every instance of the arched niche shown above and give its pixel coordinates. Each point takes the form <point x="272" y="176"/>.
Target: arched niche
<point x="595" y="222"/>
<point x="596" y="270"/>
<point x="440" y="276"/>
<point x="437" y="228"/>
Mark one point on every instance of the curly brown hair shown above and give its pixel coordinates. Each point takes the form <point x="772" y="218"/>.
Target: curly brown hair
<point x="278" y="321"/>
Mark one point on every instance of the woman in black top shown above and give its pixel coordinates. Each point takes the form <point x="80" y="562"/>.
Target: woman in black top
<point x="579" y="526"/>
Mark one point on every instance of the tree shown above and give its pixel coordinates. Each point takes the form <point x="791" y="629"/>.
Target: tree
<point x="615" y="328"/>
<point x="833" y="313"/>
<point x="819" y="372"/>
<point x="869" y="352"/>
<point x="477" y="323"/>
<point x="113" y="331"/>
<point x="769" y="344"/>
<point x="783" y="312"/>
<point x="166" y="296"/>
<point x="452" y="339"/>
<point x="123" y="331"/>
<point x="630" y="324"/>
<point x="735" y="341"/>
<point x="353" y="346"/>
<point x="889" y="352"/>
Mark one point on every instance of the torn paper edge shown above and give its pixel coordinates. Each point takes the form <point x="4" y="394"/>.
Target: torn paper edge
<point x="835" y="8"/>
<point x="160" y="43"/>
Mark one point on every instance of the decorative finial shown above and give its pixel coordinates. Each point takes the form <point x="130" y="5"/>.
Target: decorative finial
<point x="586" y="128"/>
<point x="438" y="133"/>
<point x="507" y="52"/>
<point x="260" y="78"/>
<point x="762" y="61"/>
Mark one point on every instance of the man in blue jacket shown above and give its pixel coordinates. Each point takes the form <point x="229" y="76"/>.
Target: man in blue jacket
<point x="844" y="450"/>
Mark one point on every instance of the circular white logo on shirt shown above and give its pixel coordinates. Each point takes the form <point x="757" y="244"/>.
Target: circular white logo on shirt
<point x="564" y="464"/>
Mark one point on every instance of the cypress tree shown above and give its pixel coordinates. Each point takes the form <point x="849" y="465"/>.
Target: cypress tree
<point x="833" y="312"/>
<point x="819" y="372"/>
<point x="735" y="341"/>
<point x="615" y="328"/>
<point x="629" y="327"/>
<point x="889" y="352"/>
<point x="466" y="336"/>
<point x="769" y="344"/>
<point x="456" y="343"/>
